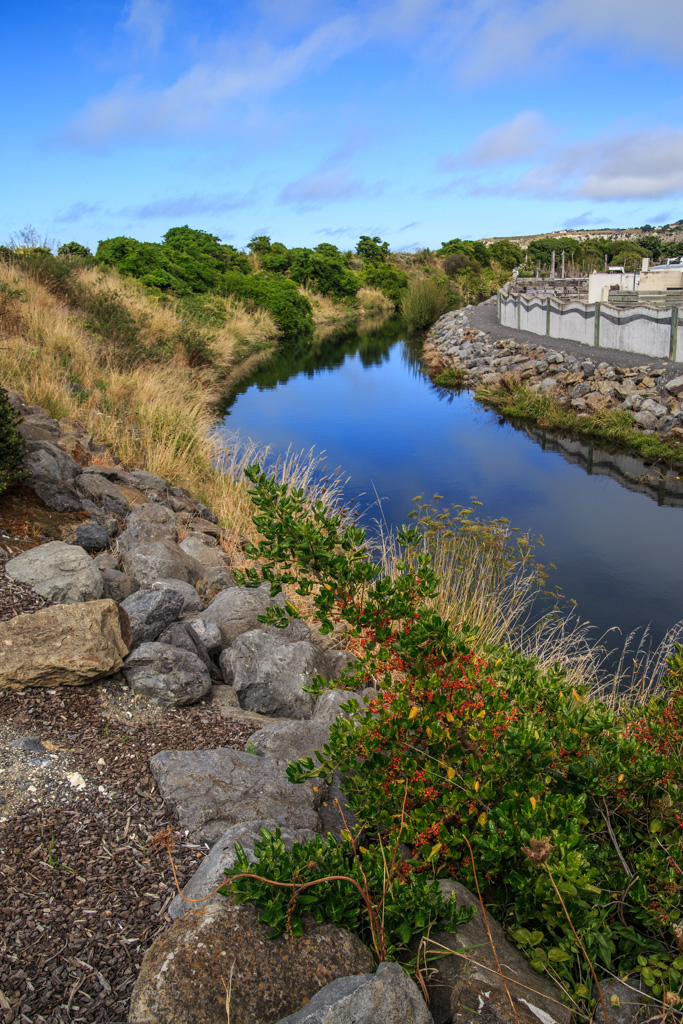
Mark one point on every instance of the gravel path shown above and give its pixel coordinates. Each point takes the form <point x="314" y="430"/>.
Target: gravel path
<point x="484" y="318"/>
<point x="83" y="892"/>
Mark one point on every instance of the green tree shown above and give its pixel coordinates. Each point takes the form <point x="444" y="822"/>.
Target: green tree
<point x="374" y="250"/>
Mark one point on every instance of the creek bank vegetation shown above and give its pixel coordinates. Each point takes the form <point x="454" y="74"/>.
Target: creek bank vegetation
<point x="563" y="809"/>
<point x="624" y="408"/>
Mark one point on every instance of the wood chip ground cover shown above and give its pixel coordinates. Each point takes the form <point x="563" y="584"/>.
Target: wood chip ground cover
<point x="82" y="891"/>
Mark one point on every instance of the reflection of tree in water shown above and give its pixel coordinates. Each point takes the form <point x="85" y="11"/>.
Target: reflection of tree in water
<point x="370" y="342"/>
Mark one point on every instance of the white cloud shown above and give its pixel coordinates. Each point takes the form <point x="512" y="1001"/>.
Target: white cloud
<point x="77" y="211"/>
<point x="189" y="205"/>
<point x="323" y="186"/>
<point x="145" y="20"/>
<point x="517" y="139"/>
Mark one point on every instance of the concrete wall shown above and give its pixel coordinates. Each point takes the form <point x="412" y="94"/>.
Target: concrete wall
<point x="597" y="282"/>
<point x="642" y="329"/>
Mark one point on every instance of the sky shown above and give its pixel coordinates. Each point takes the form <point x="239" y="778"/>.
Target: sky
<point x="317" y="120"/>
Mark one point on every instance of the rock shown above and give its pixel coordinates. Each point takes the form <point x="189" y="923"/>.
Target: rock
<point x="62" y="572"/>
<point x="596" y="401"/>
<point x="675" y="386"/>
<point x="91" y="536"/>
<point x="211" y="871"/>
<point x="181" y="635"/>
<point x="268" y="673"/>
<point x="213" y="582"/>
<point x="146" y="481"/>
<point x="236" y="610"/>
<point x="210" y="790"/>
<point x="208" y="633"/>
<point x="147" y="524"/>
<point x="209" y="557"/>
<point x="546" y="386"/>
<point x="179" y="982"/>
<point x="656" y="408"/>
<point x="106" y="560"/>
<point x="340" y="662"/>
<point x="646" y="420"/>
<point x="102" y="492"/>
<point x="387" y="997"/>
<point x="118" y="586"/>
<point x="65" y="644"/>
<point x="171" y="677"/>
<point x="289" y="741"/>
<point x="580" y="390"/>
<point x="461" y="983"/>
<point x="160" y="560"/>
<point x="588" y="368"/>
<point x="57" y="494"/>
<point x="113" y="473"/>
<point x="336" y="814"/>
<point x="150" y="611"/>
<point x="17" y="402"/>
<point x="191" y="602"/>
<point x="627" y="1003"/>
<point x="48" y="458"/>
<point x="29" y="744"/>
<point x="328" y="705"/>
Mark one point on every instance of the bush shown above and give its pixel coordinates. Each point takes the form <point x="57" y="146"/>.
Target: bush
<point x="565" y="810"/>
<point x="423" y="302"/>
<point x="74" y="249"/>
<point x="12" y="451"/>
<point x="386" y="277"/>
<point x="278" y="295"/>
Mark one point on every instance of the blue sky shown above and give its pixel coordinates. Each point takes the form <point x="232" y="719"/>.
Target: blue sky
<point x="311" y="120"/>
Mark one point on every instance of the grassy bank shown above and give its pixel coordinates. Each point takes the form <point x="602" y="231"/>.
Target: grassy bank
<point x="613" y="429"/>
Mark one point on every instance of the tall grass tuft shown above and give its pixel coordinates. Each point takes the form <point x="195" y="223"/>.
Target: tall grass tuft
<point x="423" y="302"/>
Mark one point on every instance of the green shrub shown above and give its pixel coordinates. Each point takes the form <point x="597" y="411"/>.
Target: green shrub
<point x="278" y="295"/>
<point x="423" y="302"/>
<point x="385" y="276"/>
<point x="12" y="451"/>
<point x="74" y="249"/>
<point x="565" y="810"/>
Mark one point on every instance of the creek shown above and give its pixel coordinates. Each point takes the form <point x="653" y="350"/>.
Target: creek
<point x="611" y="529"/>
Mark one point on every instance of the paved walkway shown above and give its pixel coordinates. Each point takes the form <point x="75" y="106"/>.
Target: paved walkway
<point x="484" y="318"/>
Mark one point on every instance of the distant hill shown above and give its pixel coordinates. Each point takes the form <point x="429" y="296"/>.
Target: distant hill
<point x="666" y="232"/>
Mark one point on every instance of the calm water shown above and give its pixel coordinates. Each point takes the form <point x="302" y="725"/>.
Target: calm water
<point x="363" y="399"/>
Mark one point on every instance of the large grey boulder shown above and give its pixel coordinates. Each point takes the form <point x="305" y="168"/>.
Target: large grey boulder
<point x="236" y="610"/>
<point x="289" y="741"/>
<point x="51" y="460"/>
<point x="146" y="481"/>
<point x="191" y="602"/>
<point x="91" y="536"/>
<point x="328" y="706"/>
<point x="64" y="645"/>
<point x="180" y="978"/>
<point x="211" y="871"/>
<point x="387" y="997"/>
<point x="117" y="585"/>
<point x="213" y="582"/>
<point x="208" y="633"/>
<point x="269" y="674"/>
<point x="59" y="495"/>
<point x="102" y="492"/>
<point x="160" y="560"/>
<point x="209" y="557"/>
<point x="150" y="611"/>
<point x="146" y="524"/>
<point x="210" y="790"/>
<point x="171" y="677"/>
<point x="462" y="982"/>
<point x="183" y="636"/>
<point x="64" y="573"/>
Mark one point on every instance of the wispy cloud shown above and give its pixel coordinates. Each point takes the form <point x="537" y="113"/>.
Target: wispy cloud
<point x="333" y="232"/>
<point x="407" y="227"/>
<point x="515" y="140"/>
<point x="77" y="211"/>
<point x="145" y="20"/>
<point x="325" y="186"/>
<point x="581" y="220"/>
<point x="186" y="206"/>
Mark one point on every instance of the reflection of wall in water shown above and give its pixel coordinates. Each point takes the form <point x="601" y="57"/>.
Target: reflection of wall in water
<point x="662" y="484"/>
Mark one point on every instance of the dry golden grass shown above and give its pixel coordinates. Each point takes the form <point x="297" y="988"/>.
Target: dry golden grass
<point x="374" y="303"/>
<point x="370" y="302"/>
<point x="157" y="416"/>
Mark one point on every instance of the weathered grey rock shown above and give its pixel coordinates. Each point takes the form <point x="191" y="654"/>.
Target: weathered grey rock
<point x="57" y="494"/>
<point x="102" y="492"/>
<point x="547" y="385"/>
<point x="106" y="560"/>
<point x="328" y="706"/>
<point x="191" y="603"/>
<point x="150" y="611"/>
<point x="209" y="557"/>
<point x="181" y="635"/>
<point x="236" y="610"/>
<point x="656" y="408"/>
<point x="340" y="662"/>
<point x="29" y="745"/>
<point x="63" y="572"/>
<point x="48" y="458"/>
<point x="213" y="582"/>
<point x="268" y="673"/>
<point x="211" y="871"/>
<point x="39" y="419"/>
<point x="171" y="677"/>
<point x="210" y="790"/>
<point x="387" y="997"/>
<point x="289" y="741"/>
<point x="146" y="524"/>
<point x="91" y="536"/>
<point x="179" y="982"/>
<point x="675" y="386"/>
<point x="118" y="586"/>
<point x="146" y="481"/>
<point x="113" y="473"/>
<point x="647" y="420"/>
<point x="474" y="981"/>
<point x="627" y="1003"/>
<point x="208" y="633"/>
<point x="160" y="560"/>
<point x="64" y="645"/>
<point x="580" y="390"/>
